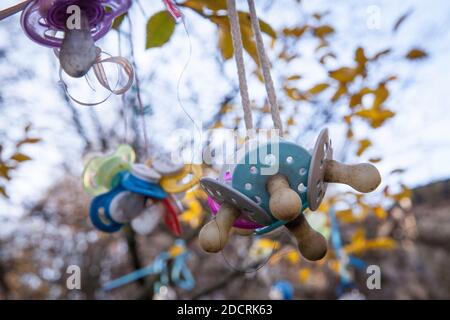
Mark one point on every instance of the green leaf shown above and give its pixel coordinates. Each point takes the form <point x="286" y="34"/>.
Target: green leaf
<point x="160" y="28"/>
<point x="118" y="21"/>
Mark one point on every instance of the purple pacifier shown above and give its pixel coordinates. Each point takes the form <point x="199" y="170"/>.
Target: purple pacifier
<point x="42" y="19"/>
<point x="239" y="223"/>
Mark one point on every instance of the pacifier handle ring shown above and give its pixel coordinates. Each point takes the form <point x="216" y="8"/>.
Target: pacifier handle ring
<point x="171" y="183"/>
<point x="94" y="215"/>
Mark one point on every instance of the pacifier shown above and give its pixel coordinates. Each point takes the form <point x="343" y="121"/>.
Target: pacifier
<point x="281" y="290"/>
<point x="99" y="172"/>
<point x="272" y="184"/>
<point x="81" y="23"/>
<point x="184" y="180"/>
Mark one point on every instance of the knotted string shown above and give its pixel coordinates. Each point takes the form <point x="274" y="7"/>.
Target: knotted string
<point x="236" y="37"/>
<point x="264" y="61"/>
<point x="102" y="78"/>
<point x="239" y="58"/>
<point x="265" y="65"/>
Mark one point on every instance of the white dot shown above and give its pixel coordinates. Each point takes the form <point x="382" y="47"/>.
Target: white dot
<point x="258" y="200"/>
<point x="248" y="186"/>
<point x="270" y="159"/>
<point x="289" y="160"/>
<point x="301" y="188"/>
<point x="253" y="170"/>
<point x="302" y="171"/>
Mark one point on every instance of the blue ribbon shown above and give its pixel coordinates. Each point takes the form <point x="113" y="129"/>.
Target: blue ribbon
<point x="180" y="275"/>
<point x="344" y="259"/>
<point x="103" y="201"/>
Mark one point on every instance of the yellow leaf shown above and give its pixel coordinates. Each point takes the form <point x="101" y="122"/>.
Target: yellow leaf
<point x="304" y="274"/>
<point x="294" y="94"/>
<point x="363" y="246"/>
<point x="339" y="92"/>
<point x="350" y="133"/>
<point x="380" y="212"/>
<point x="359" y="236"/>
<point x="225" y="43"/>
<point x="218" y="125"/>
<point x="3" y="192"/>
<point x="375" y="160"/>
<point x="376" y="117"/>
<point x="363" y="145"/>
<point x="360" y="57"/>
<point x="295" y="32"/>
<point x="20" y="157"/>
<point x="294" y="77"/>
<point x="334" y="265"/>
<point x="4" y="171"/>
<point x="381" y="94"/>
<point x="291" y="121"/>
<point x="405" y="193"/>
<point x="343" y="74"/>
<point x="318" y="88"/>
<point x="416" y="54"/>
<point x="323" y="31"/>
<point x="293" y="257"/>
<point x="214" y="5"/>
<point x="355" y="100"/>
<point x="175" y="251"/>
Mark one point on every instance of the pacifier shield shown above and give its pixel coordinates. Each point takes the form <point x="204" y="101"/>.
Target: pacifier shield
<point x="166" y="166"/>
<point x="126" y="206"/>
<point x="145" y="173"/>
<point x="223" y="193"/>
<point x="317" y="187"/>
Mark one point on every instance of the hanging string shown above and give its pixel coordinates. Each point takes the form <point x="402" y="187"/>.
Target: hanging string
<point x="239" y="57"/>
<point x="265" y="65"/>
<point x="123" y="97"/>
<point x="100" y="74"/>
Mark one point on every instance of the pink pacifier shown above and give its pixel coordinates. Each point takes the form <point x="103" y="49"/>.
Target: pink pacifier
<point x="239" y="223"/>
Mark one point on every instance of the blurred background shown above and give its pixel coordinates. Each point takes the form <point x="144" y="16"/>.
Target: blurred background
<point x="374" y="72"/>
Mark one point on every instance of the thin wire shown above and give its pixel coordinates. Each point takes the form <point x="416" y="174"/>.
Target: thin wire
<point x="180" y="78"/>
<point x="138" y="90"/>
<point x="123" y="98"/>
<point x="265" y="64"/>
<point x="141" y="8"/>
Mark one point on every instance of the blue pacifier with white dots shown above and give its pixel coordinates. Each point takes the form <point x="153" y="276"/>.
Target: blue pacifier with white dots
<point x="247" y="190"/>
